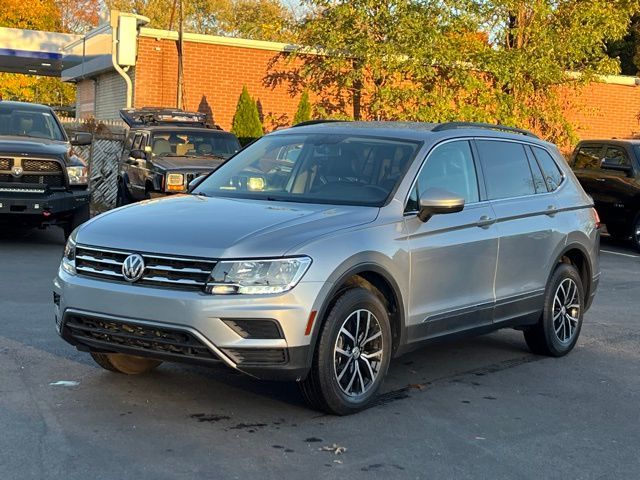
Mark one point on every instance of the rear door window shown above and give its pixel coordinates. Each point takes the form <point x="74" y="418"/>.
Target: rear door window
<point x="617" y="156"/>
<point x="588" y="157"/>
<point x="552" y="173"/>
<point x="506" y="169"/>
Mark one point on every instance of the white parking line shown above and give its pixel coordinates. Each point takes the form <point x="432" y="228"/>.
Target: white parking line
<point x="621" y="254"/>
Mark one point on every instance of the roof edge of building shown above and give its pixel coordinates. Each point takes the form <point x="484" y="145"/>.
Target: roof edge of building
<point x="218" y="40"/>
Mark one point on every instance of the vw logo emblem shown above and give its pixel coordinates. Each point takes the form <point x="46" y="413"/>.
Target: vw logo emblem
<point x="17" y="171"/>
<point x="133" y="268"/>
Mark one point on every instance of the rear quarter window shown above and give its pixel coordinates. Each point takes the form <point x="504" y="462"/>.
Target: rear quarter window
<point x="552" y="173"/>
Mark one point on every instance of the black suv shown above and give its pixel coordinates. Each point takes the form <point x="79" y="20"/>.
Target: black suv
<point x="609" y="171"/>
<point x="42" y="180"/>
<point x="167" y="149"/>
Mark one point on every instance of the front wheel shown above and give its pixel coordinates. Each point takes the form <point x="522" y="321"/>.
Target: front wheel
<point x="78" y="217"/>
<point x="352" y="354"/>
<point x="122" y="363"/>
<point x="559" y="327"/>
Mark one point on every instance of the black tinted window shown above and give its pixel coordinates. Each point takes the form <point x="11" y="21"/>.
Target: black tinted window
<point x="538" y="178"/>
<point x="588" y="157"/>
<point x="616" y="156"/>
<point x="552" y="173"/>
<point x="506" y="169"/>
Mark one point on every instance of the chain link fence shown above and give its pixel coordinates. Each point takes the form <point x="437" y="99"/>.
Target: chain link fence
<point x="103" y="157"/>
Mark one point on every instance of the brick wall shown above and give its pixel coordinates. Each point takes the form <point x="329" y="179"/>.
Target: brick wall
<point x="604" y="110"/>
<point x="215" y="74"/>
<point x="214" y="77"/>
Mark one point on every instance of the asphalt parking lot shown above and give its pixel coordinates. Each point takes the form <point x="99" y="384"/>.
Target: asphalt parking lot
<point x="480" y="408"/>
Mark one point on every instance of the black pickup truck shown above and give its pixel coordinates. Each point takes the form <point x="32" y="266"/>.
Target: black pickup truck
<point x="166" y="149"/>
<point x="42" y="181"/>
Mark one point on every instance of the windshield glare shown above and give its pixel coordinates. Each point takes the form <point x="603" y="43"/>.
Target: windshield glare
<point x="193" y="144"/>
<point x="314" y="168"/>
<point x="25" y="122"/>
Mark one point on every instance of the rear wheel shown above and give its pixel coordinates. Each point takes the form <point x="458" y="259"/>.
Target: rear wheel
<point x="78" y="217"/>
<point x="122" y="363"/>
<point x="352" y="355"/>
<point x="559" y="327"/>
<point x="635" y="236"/>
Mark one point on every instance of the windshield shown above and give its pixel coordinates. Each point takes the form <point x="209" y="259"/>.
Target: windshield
<point x="194" y="144"/>
<point x="29" y="122"/>
<point x="314" y="168"/>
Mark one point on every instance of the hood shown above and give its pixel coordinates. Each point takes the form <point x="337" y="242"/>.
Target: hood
<point x="188" y="163"/>
<point x="191" y="225"/>
<point x="32" y="146"/>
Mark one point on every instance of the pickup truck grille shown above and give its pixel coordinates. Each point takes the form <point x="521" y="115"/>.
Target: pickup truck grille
<point x="160" y="270"/>
<point x="48" y="173"/>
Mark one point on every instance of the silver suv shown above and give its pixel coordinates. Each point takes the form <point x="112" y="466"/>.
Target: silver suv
<point x="320" y="252"/>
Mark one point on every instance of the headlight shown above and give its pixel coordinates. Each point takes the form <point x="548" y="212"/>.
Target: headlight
<point x="257" y="276"/>
<point x="175" y="182"/>
<point x="68" y="262"/>
<point x="78" y="175"/>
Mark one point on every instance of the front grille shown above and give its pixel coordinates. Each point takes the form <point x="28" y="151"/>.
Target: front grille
<point x="110" y="334"/>
<point x="257" y="356"/>
<point x="48" y="173"/>
<point x="50" y="180"/>
<point x="160" y="270"/>
<point x="41" y="166"/>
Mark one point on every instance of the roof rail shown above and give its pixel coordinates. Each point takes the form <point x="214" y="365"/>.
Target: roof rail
<point x="454" y="125"/>
<point x="315" y="122"/>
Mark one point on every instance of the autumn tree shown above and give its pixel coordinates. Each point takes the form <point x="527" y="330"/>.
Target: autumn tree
<point x="538" y="49"/>
<point x="78" y="16"/>
<point x="501" y="61"/>
<point x="33" y="15"/>
<point x="252" y="19"/>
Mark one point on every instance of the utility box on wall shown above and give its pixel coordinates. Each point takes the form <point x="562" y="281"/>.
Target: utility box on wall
<point x="127" y="41"/>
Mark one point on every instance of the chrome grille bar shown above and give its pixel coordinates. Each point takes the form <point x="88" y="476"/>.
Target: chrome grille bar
<point x="161" y="271"/>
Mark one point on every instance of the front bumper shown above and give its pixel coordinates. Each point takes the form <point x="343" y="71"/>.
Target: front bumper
<point x="48" y="205"/>
<point x="188" y="326"/>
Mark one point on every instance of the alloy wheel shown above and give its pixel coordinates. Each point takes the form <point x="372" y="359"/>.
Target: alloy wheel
<point x="566" y="310"/>
<point x="358" y="353"/>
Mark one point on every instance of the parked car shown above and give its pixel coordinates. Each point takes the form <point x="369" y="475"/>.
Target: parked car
<point x="165" y="150"/>
<point x="42" y="179"/>
<point x="318" y="253"/>
<point x="609" y="171"/>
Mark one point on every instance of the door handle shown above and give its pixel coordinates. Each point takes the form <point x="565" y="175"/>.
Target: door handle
<point x="601" y="179"/>
<point x="551" y="210"/>
<point x="484" y="221"/>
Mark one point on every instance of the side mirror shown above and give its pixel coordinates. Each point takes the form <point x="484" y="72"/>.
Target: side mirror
<point x="610" y="164"/>
<point x="79" y="139"/>
<point x="195" y="182"/>
<point x="138" y="154"/>
<point x="436" y="202"/>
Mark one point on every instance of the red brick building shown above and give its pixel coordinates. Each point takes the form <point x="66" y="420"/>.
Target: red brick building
<point x="216" y="68"/>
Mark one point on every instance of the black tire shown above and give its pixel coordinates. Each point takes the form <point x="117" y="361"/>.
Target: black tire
<point x="322" y="389"/>
<point x="635" y="233"/>
<point x="122" y="195"/>
<point x="126" y="364"/>
<point x="79" y="216"/>
<point x="543" y="338"/>
<point x="618" y="232"/>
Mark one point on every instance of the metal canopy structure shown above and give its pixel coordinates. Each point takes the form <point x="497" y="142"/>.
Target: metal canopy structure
<point x="33" y="52"/>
